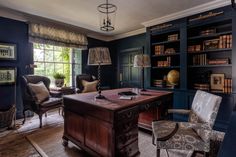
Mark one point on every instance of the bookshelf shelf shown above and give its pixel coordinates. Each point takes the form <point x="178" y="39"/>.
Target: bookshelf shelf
<point x="167" y="67"/>
<point x="211" y="51"/>
<point x="210" y="66"/>
<point x="210" y="35"/>
<point x="165" y="42"/>
<point x="170" y="54"/>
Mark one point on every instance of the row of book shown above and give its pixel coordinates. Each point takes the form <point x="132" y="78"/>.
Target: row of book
<point x="225" y="41"/>
<point x="218" y="61"/>
<point x="200" y="59"/>
<point x="160" y="49"/>
<point x="227" y="86"/>
<point x="159" y="83"/>
<point x="165" y="63"/>
<point x="172" y="37"/>
<point x="194" y="48"/>
<point x="201" y="86"/>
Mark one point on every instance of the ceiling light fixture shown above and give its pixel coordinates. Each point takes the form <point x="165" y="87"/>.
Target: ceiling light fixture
<point x="107" y="16"/>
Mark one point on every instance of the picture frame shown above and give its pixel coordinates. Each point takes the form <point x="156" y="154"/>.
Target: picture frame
<point x="217" y="82"/>
<point x="8" y="75"/>
<point x="8" y="51"/>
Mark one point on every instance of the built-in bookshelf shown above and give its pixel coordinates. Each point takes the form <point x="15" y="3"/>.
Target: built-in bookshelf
<point x="165" y="56"/>
<point x="204" y="56"/>
<point x="209" y="49"/>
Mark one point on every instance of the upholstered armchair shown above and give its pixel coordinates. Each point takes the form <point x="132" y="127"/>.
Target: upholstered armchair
<point x="79" y="81"/>
<point x="193" y="135"/>
<point x="29" y="98"/>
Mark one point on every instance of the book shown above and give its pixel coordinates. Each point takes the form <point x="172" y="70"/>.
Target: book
<point x="126" y="97"/>
<point x="127" y="93"/>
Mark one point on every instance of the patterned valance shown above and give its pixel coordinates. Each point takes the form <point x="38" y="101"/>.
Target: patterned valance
<point x="55" y="36"/>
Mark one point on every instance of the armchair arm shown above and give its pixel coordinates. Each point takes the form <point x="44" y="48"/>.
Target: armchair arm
<point x="179" y="111"/>
<point x="77" y="90"/>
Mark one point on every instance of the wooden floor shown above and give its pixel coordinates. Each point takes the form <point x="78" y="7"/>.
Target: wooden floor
<point x="13" y="143"/>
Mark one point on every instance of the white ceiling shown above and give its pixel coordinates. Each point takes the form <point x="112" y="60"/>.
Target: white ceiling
<point x="83" y="13"/>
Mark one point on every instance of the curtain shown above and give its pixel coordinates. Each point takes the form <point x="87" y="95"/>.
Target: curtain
<point x="55" y="36"/>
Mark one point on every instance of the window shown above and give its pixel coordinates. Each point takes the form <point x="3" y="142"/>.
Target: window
<point x="50" y="59"/>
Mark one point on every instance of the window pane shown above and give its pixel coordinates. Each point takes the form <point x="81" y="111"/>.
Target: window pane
<point x="38" y="55"/>
<point x="77" y="56"/>
<point x="49" y="55"/>
<point x="50" y="59"/>
<point x="77" y="69"/>
<point x="57" y="56"/>
<point x="67" y="73"/>
<point x="49" y="47"/>
<point x="38" y="46"/>
<point x="40" y="69"/>
<point x="59" y="68"/>
<point x="49" y="69"/>
<point x="66" y="55"/>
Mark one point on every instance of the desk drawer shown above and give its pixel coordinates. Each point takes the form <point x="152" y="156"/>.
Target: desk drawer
<point x="127" y="114"/>
<point x="125" y="126"/>
<point x="123" y="139"/>
<point x="130" y="150"/>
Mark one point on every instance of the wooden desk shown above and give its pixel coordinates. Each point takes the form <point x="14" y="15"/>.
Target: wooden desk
<point x="108" y="127"/>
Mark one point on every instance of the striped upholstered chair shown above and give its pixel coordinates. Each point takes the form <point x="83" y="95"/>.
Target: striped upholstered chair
<point x="193" y="135"/>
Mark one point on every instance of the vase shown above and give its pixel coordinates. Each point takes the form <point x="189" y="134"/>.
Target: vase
<point x="59" y="82"/>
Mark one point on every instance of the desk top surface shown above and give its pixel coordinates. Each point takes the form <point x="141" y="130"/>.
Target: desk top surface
<point x="112" y="101"/>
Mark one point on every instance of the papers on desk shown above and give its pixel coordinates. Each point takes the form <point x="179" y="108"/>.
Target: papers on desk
<point x="124" y="97"/>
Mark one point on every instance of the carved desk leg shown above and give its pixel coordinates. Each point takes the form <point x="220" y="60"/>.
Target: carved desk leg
<point x="64" y="141"/>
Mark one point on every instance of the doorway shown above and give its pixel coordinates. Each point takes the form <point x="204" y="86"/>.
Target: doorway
<point x="128" y="75"/>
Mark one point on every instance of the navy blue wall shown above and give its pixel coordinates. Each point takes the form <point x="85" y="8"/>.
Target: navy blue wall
<point x="117" y="46"/>
<point x="105" y="70"/>
<point x="15" y="32"/>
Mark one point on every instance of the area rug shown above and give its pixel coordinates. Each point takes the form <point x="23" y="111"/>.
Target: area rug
<point x="48" y="142"/>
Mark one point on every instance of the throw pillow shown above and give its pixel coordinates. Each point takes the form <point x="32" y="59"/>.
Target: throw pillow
<point x="89" y="86"/>
<point x="39" y="91"/>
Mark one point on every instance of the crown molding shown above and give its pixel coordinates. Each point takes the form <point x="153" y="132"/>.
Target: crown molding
<point x="188" y="12"/>
<point x="125" y="35"/>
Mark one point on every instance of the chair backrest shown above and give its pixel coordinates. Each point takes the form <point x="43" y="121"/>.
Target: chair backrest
<point x="205" y="107"/>
<point x="79" y="78"/>
<point x="27" y="98"/>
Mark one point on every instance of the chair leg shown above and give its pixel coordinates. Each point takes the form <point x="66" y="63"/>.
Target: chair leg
<point x="23" y="122"/>
<point x="158" y="152"/>
<point x="59" y="110"/>
<point x="40" y="120"/>
<point x="206" y="154"/>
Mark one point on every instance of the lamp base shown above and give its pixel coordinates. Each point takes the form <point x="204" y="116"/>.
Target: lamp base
<point x="100" y="97"/>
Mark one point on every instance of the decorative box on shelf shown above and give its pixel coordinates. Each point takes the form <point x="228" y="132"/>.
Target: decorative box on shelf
<point x="211" y="44"/>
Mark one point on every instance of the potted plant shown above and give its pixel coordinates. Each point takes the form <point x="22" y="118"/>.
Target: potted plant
<point x="59" y="79"/>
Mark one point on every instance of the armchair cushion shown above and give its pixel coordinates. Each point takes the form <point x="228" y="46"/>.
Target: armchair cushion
<point x="89" y="86"/>
<point x="52" y="101"/>
<point x="39" y="92"/>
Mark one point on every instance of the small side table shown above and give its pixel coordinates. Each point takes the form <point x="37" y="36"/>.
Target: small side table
<point x="60" y="91"/>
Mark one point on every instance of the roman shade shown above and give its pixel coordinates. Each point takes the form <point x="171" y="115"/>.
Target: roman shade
<point x="44" y="34"/>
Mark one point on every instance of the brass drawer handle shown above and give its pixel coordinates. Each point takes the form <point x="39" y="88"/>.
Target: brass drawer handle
<point x="147" y="106"/>
<point x="129" y="114"/>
